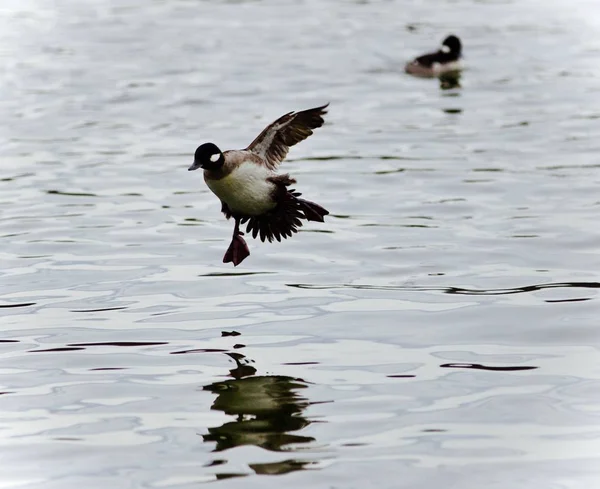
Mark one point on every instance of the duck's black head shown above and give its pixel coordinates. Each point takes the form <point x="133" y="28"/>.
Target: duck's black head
<point x="452" y="45"/>
<point x="208" y="156"/>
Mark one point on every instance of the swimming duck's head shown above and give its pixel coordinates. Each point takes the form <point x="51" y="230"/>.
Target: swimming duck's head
<point x="452" y="45"/>
<point x="208" y="156"/>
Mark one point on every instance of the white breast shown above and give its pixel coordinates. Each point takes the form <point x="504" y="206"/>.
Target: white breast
<point x="246" y="189"/>
<point x="440" y="69"/>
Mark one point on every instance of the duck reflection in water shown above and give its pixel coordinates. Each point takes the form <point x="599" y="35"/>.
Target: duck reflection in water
<point x="450" y="80"/>
<point x="268" y="409"/>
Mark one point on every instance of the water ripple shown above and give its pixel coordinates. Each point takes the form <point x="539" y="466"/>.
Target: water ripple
<point x="438" y="330"/>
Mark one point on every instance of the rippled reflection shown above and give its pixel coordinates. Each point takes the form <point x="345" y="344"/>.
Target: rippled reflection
<point x="268" y="411"/>
<point x="450" y="80"/>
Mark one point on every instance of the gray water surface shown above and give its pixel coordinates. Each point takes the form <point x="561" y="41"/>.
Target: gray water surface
<point x="439" y="330"/>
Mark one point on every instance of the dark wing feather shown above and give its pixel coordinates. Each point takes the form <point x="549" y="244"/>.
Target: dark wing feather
<point x="427" y="59"/>
<point x="274" y="142"/>
<point x="437" y="57"/>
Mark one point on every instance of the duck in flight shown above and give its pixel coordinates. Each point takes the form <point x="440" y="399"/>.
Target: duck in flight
<point x="249" y="187"/>
<point x="444" y="60"/>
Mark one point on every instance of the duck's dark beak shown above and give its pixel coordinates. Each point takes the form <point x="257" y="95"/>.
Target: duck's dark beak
<point x="195" y="166"/>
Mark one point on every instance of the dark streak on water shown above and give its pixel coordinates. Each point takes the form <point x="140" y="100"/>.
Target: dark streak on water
<point x="60" y="349"/>
<point x="70" y="194"/>
<point x="101" y="309"/>
<point x="107" y="369"/>
<point x="581" y="299"/>
<point x="477" y="366"/>
<point x="198" y="350"/>
<point x="230" y="333"/>
<point x="122" y="343"/>
<point x="456" y="290"/>
<point x="233" y="274"/>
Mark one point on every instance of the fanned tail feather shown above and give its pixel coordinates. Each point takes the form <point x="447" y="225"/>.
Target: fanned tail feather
<point x="312" y="211"/>
<point x="286" y="218"/>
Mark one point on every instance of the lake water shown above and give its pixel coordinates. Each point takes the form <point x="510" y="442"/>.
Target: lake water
<point x="439" y="330"/>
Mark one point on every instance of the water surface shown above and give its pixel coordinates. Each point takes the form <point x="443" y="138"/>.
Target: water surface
<point x="439" y="330"/>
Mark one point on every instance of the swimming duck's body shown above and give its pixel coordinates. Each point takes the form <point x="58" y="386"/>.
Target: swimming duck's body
<point x="446" y="60"/>
<point x="252" y="191"/>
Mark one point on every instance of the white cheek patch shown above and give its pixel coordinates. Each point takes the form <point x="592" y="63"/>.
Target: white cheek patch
<point x="444" y="49"/>
<point x="214" y="158"/>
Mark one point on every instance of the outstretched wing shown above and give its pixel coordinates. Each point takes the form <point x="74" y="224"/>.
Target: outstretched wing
<point x="274" y="142"/>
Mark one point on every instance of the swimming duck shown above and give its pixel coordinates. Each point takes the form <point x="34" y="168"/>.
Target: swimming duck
<point x="446" y="59"/>
<point x="252" y="191"/>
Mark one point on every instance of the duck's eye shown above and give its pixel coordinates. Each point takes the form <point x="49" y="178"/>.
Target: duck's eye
<point x="214" y="158"/>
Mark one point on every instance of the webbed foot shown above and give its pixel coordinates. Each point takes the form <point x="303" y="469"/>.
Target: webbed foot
<point x="237" y="252"/>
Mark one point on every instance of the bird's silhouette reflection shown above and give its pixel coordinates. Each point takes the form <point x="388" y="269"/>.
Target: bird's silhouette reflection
<point x="450" y="80"/>
<point x="268" y="410"/>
